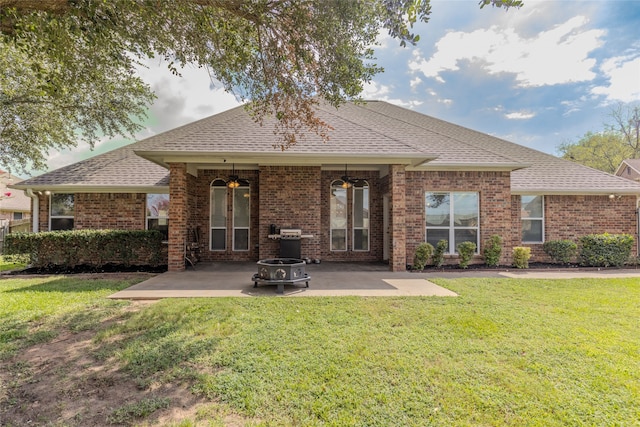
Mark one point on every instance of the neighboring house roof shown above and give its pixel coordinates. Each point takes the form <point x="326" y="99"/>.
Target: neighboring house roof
<point x="17" y="201"/>
<point x="634" y="164"/>
<point x="373" y="133"/>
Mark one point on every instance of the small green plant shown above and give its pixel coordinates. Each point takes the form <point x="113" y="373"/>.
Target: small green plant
<point x="143" y="408"/>
<point x="560" y="251"/>
<point x="466" y="251"/>
<point x="423" y="254"/>
<point x="521" y="256"/>
<point x="604" y="250"/>
<point x="438" y="254"/>
<point x="492" y="251"/>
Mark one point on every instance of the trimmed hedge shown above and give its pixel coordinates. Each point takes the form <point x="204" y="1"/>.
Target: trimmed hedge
<point x="560" y="251"/>
<point x="88" y="247"/>
<point x="605" y="250"/>
<point x="521" y="256"/>
<point x="423" y="254"/>
<point x="438" y="254"/>
<point x="465" y="252"/>
<point x="492" y="251"/>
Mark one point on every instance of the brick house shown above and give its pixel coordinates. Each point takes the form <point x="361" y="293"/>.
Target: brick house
<point x="629" y="169"/>
<point x="389" y="179"/>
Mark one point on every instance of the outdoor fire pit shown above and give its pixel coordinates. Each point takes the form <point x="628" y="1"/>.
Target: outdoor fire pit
<point x="280" y="272"/>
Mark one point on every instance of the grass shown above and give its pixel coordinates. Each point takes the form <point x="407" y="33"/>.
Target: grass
<point x="11" y="263"/>
<point x="505" y="352"/>
<point x="32" y="310"/>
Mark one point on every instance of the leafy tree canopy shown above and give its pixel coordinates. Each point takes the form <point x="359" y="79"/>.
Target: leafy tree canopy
<point x="605" y="150"/>
<point x="69" y="65"/>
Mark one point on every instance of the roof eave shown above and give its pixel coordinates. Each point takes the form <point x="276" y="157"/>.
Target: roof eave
<point x="163" y="158"/>
<point x="493" y="167"/>
<point x="77" y="188"/>
<point x="575" y="192"/>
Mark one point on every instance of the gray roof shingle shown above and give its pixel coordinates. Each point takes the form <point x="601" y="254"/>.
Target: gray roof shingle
<point x="373" y="128"/>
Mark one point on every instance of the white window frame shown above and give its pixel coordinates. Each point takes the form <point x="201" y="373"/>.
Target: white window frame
<point x="158" y="217"/>
<point x="531" y="218"/>
<point x="235" y="193"/>
<point x="366" y="220"/>
<point x="51" y="216"/>
<point x="338" y="185"/>
<point x="452" y="227"/>
<point x="213" y="188"/>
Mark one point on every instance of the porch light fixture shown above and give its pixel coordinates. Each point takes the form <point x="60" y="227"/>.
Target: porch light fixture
<point x="234" y="181"/>
<point x="348" y="181"/>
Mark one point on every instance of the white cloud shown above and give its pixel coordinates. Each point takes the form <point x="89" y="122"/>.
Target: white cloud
<point x="379" y="92"/>
<point x="520" y="115"/>
<point x="414" y="83"/>
<point x="623" y="73"/>
<point x="183" y="99"/>
<point x="551" y="57"/>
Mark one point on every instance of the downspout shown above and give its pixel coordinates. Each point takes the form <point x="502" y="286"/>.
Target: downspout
<point x="35" y="210"/>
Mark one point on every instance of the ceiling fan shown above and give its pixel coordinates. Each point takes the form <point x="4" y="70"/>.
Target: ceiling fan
<point x="348" y="181"/>
<point x="233" y="181"/>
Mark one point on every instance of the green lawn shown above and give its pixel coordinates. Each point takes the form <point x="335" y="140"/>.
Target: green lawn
<point x="505" y="352"/>
<point x="10" y="263"/>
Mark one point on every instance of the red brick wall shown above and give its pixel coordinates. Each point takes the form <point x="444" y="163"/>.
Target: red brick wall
<point x="298" y="197"/>
<point x="290" y="198"/>
<point x="494" y="189"/>
<point x="178" y="215"/>
<point x="569" y="217"/>
<point x="110" y="211"/>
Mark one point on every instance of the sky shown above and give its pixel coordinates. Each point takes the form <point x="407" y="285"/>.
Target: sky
<point x="539" y="76"/>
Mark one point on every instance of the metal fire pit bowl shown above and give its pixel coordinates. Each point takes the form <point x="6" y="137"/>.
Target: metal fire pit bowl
<point x="280" y="272"/>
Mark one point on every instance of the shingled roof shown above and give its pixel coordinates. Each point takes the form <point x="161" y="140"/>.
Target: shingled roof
<point x="375" y="132"/>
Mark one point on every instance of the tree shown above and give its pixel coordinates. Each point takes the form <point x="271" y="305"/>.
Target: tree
<point x="607" y="149"/>
<point x="603" y="151"/>
<point x="69" y="65"/>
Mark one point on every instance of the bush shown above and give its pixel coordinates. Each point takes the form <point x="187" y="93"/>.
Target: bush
<point x="560" y="251"/>
<point x="492" y="251"/>
<point x="423" y="254"/>
<point x="88" y="247"/>
<point x="466" y="251"/>
<point x="438" y="253"/>
<point x="521" y="256"/>
<point x="604" y="250"/>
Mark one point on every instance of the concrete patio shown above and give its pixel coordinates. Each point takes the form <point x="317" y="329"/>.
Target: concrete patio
<point x="233" y="279"/>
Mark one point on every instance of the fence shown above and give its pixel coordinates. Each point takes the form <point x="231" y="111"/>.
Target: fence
<point x="6" y="227"/>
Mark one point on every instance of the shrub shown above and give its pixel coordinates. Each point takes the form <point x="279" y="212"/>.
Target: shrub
<point x="492" y="251"/>
<point x="466" y="251"/>
<point x="423" y="254"/>
<point x="560" y="251"/>
<point x="604" y="250"/>
<point x="438" y="253"/>
<point x="521" y="256"/>
<point x="88" y="247"/>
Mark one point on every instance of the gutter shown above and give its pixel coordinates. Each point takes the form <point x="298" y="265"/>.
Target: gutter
<point x="35" y="210"/>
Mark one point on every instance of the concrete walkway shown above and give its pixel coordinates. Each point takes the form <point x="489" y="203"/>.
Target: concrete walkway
<point x="329" y="279"/>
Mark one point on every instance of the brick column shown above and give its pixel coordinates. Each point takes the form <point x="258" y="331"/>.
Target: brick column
<point x="177" y="215"/>
<point x="398" y="254"/>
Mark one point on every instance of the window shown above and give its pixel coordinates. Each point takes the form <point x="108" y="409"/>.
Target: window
<point x="532" y="214"/>
<point x="218" y="218"/>
<point x="241" y="218"/>
<point x="453" y="217"/>
<point x="17" y="216"/>
<point x="158" y="213"/>
<point x="338" y="213"/>
<point x="61" y="210"/>
<point x="361" y="216"/>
